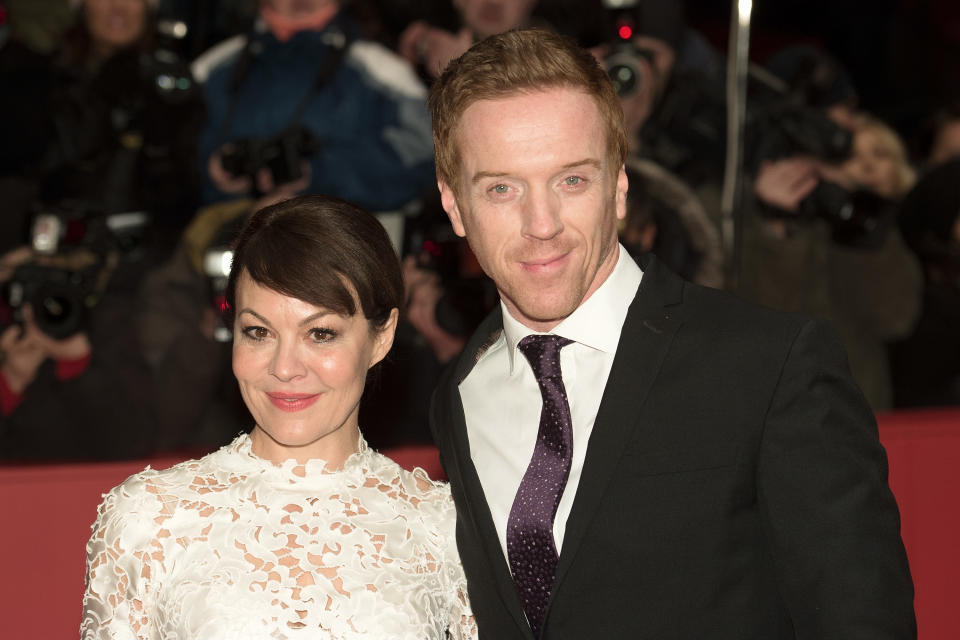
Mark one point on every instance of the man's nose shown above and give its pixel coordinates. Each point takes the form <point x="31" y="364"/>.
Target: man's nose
<point x="541" y="215"/>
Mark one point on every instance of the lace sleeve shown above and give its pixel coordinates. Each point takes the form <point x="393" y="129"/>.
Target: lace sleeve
<point x="117" y="601"/>
<point x="462" y="624"/>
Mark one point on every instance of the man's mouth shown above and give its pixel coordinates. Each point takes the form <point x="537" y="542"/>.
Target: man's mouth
<point x="545" y="265"/>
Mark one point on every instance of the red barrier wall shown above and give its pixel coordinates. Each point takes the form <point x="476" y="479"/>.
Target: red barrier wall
<point x="923" y="448"/>
<point x="48" y="510"/>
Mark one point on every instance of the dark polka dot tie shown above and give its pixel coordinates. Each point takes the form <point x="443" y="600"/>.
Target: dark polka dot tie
<point x="531" y="549"/>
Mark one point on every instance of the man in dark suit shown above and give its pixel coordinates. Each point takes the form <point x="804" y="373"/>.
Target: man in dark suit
<point x="631" y="455"/>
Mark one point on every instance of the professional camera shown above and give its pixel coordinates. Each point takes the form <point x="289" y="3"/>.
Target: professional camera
<point x="781" y="128"/>
<point x="857" y="218"/>
<point x="627" y="65"/>
<point x="75" y="251"/>
<point x="282" y="155"/>
<point x="217" y="260"/>
<point x="164" y="67"/>
<point x="136" y="99"/>
<point x="780" y="123"/>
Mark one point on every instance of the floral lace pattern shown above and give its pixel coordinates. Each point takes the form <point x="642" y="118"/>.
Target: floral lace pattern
<point x="232" y="546"/>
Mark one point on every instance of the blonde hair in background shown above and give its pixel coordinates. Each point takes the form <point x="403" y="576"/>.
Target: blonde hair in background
<point x="513" y="63"/>
<point x="893" y="144"/>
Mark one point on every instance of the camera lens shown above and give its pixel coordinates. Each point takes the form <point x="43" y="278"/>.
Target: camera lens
<point x="624" y="73"/>
<point x="58" y="312"/>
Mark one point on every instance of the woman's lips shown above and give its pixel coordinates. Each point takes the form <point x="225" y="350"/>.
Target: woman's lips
<point x="292" y="402"/>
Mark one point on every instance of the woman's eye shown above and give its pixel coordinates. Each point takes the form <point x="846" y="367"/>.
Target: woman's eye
<point x="322" y="335"/>
<point x="256" y="333"/>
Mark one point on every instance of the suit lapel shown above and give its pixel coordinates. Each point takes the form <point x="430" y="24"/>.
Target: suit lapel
<point x="478" y="512"/>
<point x="648" y="331"/>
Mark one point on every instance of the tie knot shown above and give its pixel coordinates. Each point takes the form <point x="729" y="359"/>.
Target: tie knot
<point x="543" y="353"/>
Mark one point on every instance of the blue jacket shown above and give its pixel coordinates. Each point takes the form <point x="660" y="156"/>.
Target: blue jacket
<point x="370" y="117"/>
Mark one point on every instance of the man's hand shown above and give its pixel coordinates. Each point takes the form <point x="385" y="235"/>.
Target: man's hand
<point x="785" y="183"/>
<point x="423" y="292"/>
<point x="434" y="48"/>
<point x="223" y="179"/>
<point x="26" y="348"/>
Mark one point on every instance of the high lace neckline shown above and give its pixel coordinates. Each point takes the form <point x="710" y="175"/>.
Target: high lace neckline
<point x="239" y="456"/>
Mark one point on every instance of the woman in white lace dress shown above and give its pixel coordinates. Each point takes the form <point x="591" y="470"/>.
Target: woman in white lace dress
<point x="297" y="530"/>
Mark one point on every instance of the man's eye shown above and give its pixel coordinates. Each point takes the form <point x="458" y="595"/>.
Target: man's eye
<point x="256" y="333"/>
<point x="572" y="181"/>
<point x="500" y="189"/>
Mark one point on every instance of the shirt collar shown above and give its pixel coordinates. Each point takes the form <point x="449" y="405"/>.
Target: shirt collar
<point x="597" y="322"/>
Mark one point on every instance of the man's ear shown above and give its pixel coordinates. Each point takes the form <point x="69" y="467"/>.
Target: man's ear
<point x="448" y="200"/>
<point x="621" y="196"/>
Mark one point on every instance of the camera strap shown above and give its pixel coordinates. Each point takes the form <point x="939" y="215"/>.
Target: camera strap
<point x="337" y="42"/>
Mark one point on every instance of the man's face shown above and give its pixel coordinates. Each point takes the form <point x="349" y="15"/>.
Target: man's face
<point x="296" y="9"/>
<point x="488" y="17"/>
<point x="538" y="201"/>
<point x="114" y="24"/>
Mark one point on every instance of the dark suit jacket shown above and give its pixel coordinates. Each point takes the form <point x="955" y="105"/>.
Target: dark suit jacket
<point x="734" y="487"/>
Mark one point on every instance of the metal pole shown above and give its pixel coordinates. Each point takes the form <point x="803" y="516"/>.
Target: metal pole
<point x="737" y="66"/>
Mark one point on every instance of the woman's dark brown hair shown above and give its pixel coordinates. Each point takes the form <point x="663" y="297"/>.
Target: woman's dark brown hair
<point x="310" y="248"/>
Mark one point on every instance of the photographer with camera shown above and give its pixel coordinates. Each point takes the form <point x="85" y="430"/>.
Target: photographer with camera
<point x="72" y="384"/>
<point x="109" y="117"/>
<point x="665" y="215"/>
<point x="304" y="103"/>
<point x="446" y="297"/>
<point x="124" y="115"/>
<point x="819" y="235"/>
<point x="672" y="103"/>
<point x="430" y="47"/>
<point x="25" y="347"/>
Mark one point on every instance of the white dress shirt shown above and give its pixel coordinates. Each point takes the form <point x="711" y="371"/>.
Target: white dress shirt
<point x="502" y="402"/>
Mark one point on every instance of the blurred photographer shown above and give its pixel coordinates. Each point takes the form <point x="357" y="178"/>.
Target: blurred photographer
<point x="304" y="103"/>
<point x="820" y="237"/>
<point x="665" y="214"/>
<point x="665" y="217"/>
<point x="446" y="297"/>
<point x="430" y="47"/>
<point x="122" y="115"/>
<point x="72" y="384"/>
<point x="25" y="346"/>
<point x="674" y="110"/>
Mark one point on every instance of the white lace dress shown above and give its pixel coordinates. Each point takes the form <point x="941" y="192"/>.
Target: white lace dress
<point x="234" y="547"/>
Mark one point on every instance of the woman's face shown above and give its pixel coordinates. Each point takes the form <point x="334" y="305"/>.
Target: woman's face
<point x="115" y="24"/>
<point x="873" y="164"/>
<point x="301" y="370"/>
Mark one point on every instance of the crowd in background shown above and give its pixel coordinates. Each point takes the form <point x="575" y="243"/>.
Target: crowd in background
<point x="138" y="135"/>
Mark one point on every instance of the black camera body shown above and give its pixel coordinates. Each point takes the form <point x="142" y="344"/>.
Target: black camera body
<point x="59" y="297"/>
<point x="627" y="64"/>
<point x="781" y="128"/>
<point x="857" y="218"/>
<point x="75" y="253"/>
<point x="281" y="154"/>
